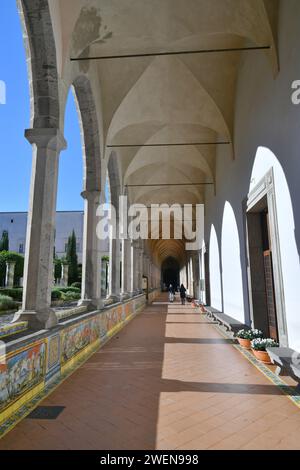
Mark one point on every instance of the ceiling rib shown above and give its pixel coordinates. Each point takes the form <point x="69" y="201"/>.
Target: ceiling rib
<point x="166" y="184"/>
<point x="167" y="144"/>
<point x="169" y="53"/>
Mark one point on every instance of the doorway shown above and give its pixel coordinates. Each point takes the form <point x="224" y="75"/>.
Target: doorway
<point x="266" y="297"/>
<point x="170" y="272"/>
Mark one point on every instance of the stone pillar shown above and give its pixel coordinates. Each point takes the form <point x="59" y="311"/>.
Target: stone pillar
<point x="38" y="267"/>
<point x="133" y="268"/>
<point x="10" y="274"/>
<point x="146" y="265"/>
<point x="114" y="267"/>
<point x="91" y="254"/>
<point x="140" y="263"/>
<point x="65" y="275"/>
<point x="126" y="269"/>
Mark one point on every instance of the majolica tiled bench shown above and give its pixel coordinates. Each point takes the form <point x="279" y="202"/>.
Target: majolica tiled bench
<point x="230" y="323"/>
<point x="287" y="361"/>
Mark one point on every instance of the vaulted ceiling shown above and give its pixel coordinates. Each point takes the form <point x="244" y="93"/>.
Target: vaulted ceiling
<point x="188" y="98"/>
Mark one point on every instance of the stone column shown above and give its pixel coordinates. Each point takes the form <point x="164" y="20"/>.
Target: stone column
<point x="38" y="267"/>
<point x="146" y="265"/>
<point x="126" y="269"/>
<point x="91" y="254"/>
<point x="65" y="274"/>
<point x="140" y="266"/>
<point x="10" y="274"/>
<point x="133" y="268"/>
<point x="114" y="267"/>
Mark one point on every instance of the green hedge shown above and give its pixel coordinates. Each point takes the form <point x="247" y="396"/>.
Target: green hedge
<point x="76" y="284"/>
<point x="58" y="293"/>
<point x="19" y="268"/>
<point x="67" y="296"/>
<point x="7" y="303"/>
<point x="15" y="294"/>
<point x="69" y="289"/>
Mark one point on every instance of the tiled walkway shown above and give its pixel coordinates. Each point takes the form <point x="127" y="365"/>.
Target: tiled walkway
<point x="168" y="380"/>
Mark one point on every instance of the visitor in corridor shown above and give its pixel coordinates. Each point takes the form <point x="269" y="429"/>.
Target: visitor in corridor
<point x="182" y="294"/>
<point x="171" y="293"/>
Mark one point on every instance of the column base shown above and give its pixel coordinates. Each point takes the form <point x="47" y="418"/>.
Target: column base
<point x="125" y="296"/>
<point x="112" y="299"/>
<point x="91" y="303"/>
<point x="134" y="293"/>
<point x="43" y="320"/>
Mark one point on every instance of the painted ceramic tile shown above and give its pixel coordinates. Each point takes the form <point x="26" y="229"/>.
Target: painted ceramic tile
<point x="21" y="372"/>
<point x="76" y="338"/>
<point x="53" y="351"/>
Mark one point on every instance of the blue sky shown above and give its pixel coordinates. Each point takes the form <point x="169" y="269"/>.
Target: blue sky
<point x="15" y="151"/>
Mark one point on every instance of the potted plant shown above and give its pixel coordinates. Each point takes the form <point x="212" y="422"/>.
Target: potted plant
<point x="259" y="346"/>
<point x="246" y="336"/>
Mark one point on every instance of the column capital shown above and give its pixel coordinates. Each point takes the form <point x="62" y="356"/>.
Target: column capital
<point x="11" y="263"/>
<point x="91" y="195"/>
<point x="50" y="138"/>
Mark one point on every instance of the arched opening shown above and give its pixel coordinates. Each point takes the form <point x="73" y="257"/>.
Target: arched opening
<point x="14" y="149"/>
<point x="231" y="266"/>
<point x="272" y="251"/>
<point x="113" y="184"/>
<point x="68" y="245"/>
<point x="214" y="271"/>
<point x="170" y="270"/>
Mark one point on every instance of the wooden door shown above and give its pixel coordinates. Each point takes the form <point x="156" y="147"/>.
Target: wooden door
<point x="271" y="305"/>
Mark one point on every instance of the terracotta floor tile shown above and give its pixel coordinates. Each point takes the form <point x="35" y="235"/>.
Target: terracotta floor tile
<point x="166" y="381"/>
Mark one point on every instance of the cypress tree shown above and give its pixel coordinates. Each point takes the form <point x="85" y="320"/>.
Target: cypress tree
<point x="4" y="242"/>
<point x="71" y="258"/>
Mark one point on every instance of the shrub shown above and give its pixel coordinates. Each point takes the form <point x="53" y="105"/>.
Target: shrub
<point x="19" y="268"/>
<point x="68" y="296"/>
<point x="249" y="334"/>
<point x="7" y="303"/>
<point x="69" y="289"/>
<point x="15" y="293"/>
<point x="4" y="242"/>
<point x="57" y="268"/>
<point x="76" y="284"/>
<point x="72" y="260"/>
<point x="261" y="344"/>
<point x="56" y="294"/>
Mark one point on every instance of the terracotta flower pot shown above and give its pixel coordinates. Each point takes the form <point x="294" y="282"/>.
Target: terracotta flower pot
<point x="245" y="343"/>
<point x="262" y="356"/>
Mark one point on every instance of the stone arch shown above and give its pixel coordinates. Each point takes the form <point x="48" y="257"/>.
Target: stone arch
<point x="215" y="271"/>
<point x="42" y="65"/>
<point x="89" y="125"/>
<point x="231" y="266"/>
<point x="288" y="255"/>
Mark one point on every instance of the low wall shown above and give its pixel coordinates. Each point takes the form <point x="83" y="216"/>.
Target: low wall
<point x="153" y="295"/>
<point x="37" y="363"/>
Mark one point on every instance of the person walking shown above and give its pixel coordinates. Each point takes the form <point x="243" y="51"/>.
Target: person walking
<point x="182" y="294"/>
<point x="171" y="293"/>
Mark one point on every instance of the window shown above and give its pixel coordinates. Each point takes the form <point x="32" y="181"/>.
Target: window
<point x="21" y="248"/>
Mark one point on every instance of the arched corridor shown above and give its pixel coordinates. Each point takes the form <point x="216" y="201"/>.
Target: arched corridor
<point x="190" y="149"/>
<point x="169" y="380"/>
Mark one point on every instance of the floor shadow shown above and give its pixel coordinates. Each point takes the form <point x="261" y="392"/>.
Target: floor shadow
<point x="212" y="387"/>
<point x="199" y="340"/>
